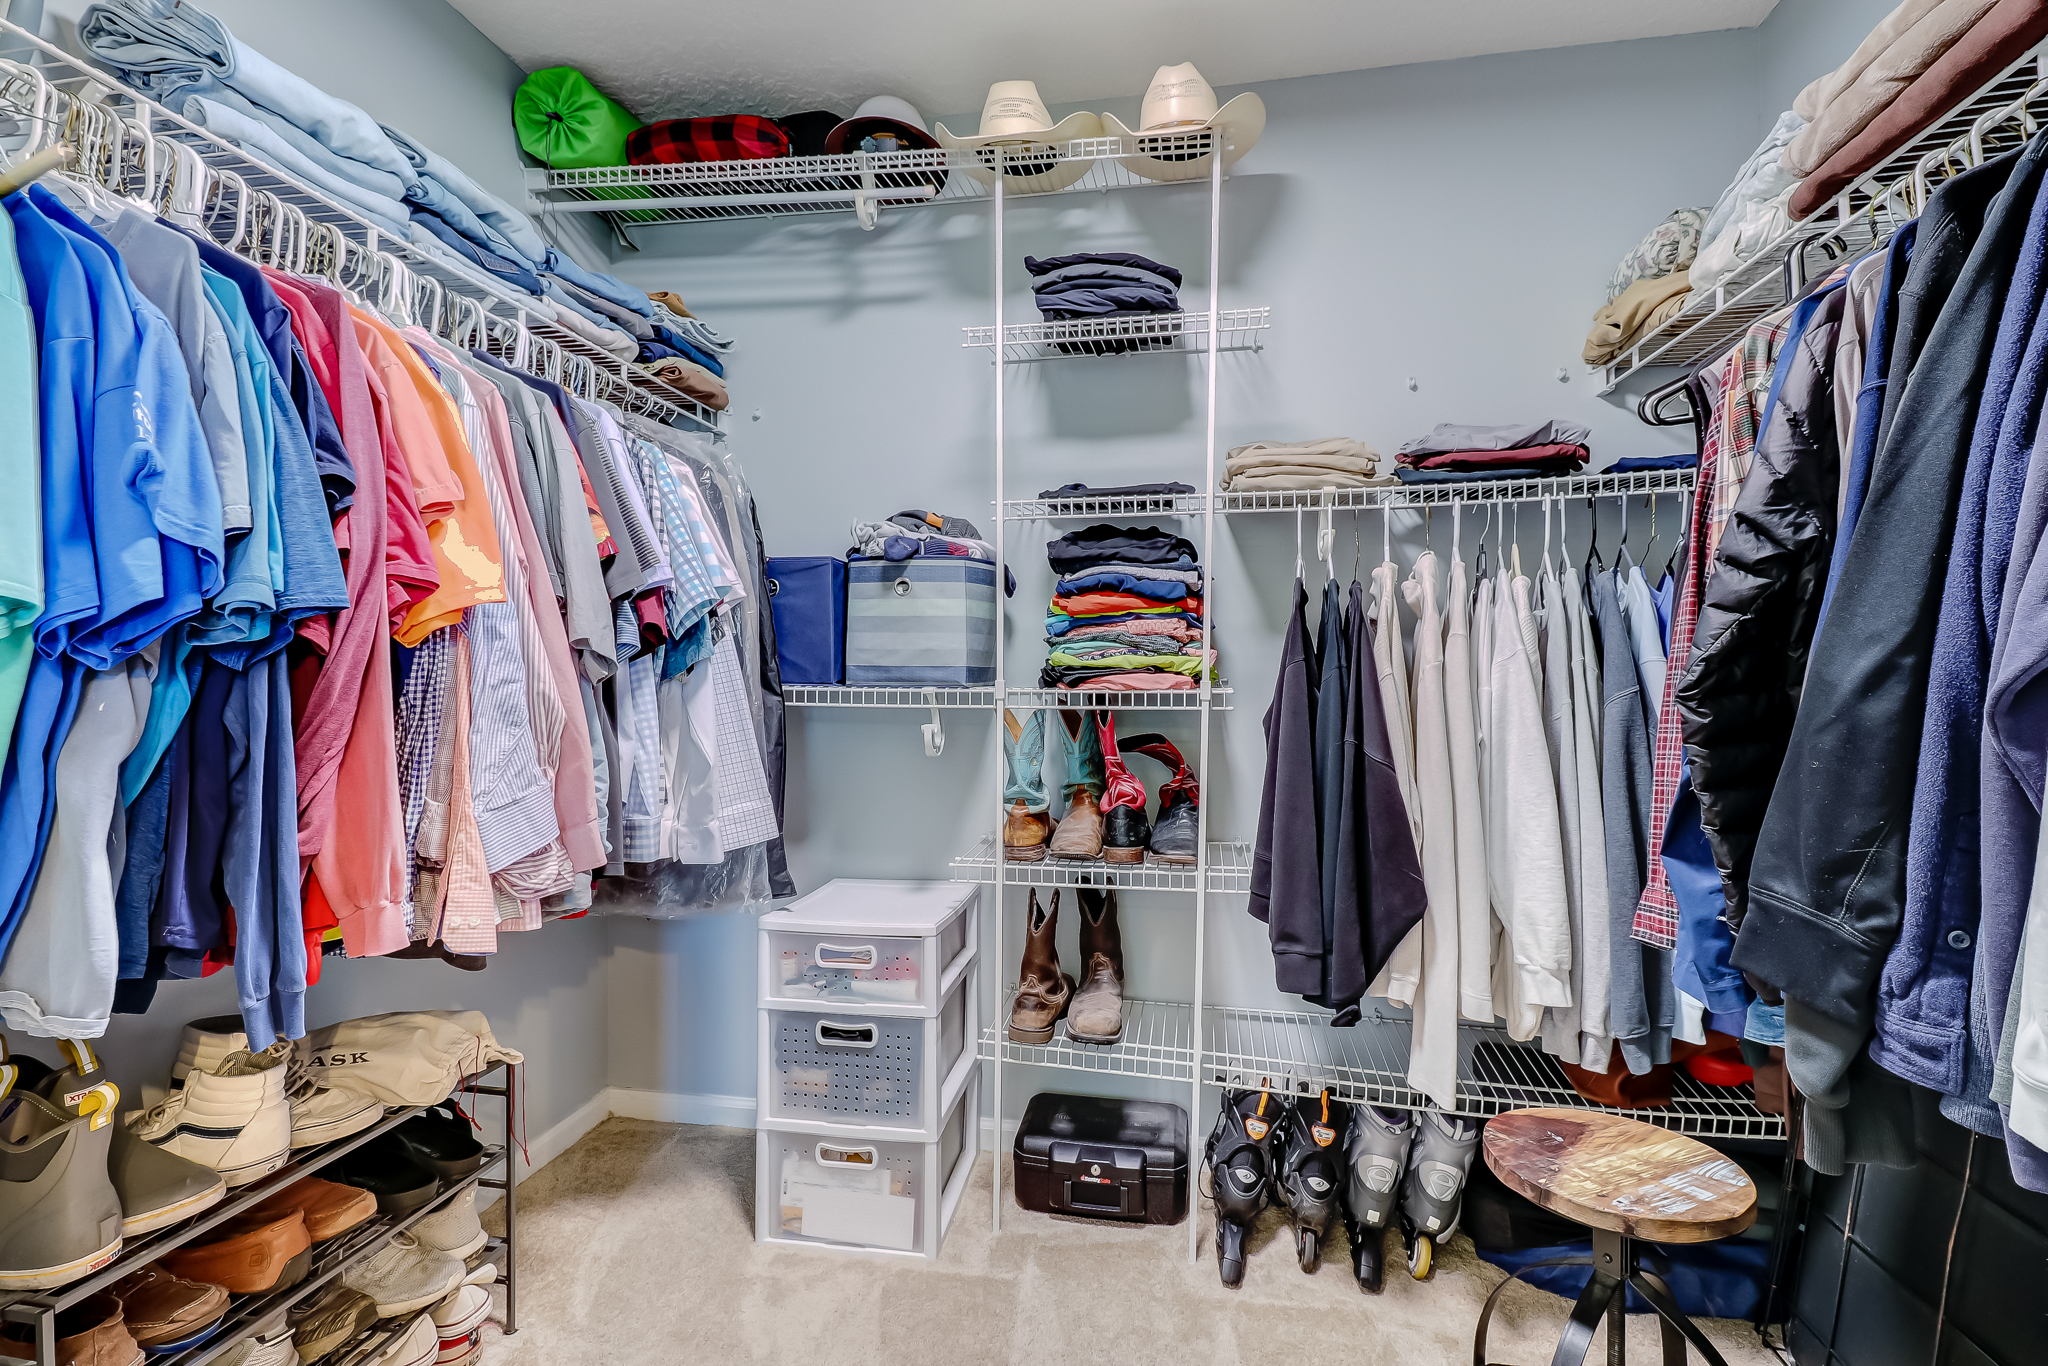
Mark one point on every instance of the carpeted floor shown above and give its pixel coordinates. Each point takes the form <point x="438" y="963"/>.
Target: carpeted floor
<point x="638" y="1247"/>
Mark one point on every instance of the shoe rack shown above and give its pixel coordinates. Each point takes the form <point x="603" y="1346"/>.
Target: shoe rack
<point x="38" y="1310"/>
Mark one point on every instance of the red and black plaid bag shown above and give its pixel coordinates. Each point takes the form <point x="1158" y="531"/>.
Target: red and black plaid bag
<point x="729" y="137"/>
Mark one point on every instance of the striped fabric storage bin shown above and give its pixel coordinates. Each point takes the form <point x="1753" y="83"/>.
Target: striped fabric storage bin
<point x="923" y="620"/>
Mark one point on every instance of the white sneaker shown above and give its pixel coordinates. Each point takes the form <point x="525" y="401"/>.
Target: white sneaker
<point x="269" y="1344"/>
<point x="454" y="1228"/>
<point x="321" y="1114"/>
<point x="232" y="1117"/>
<point x="457" y="1319"/>
<point x="405" y="1277"/>
<point x="205" y="1042"/>
<point x="418" y="1345"/>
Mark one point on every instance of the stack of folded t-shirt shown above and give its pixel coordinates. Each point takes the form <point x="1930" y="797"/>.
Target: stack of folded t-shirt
<point x="1126" y="613"/>
<point x="1334" y="462"/>
<point x="1089" y="286"/>
<point x="1455" y="452"/>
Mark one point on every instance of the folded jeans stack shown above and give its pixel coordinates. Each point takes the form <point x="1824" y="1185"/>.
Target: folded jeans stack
<point x="1333" y="462"/>
<point x="1456" y="452"/>
<point x="1126" y="612"/>
<point x="1105" y="284"/>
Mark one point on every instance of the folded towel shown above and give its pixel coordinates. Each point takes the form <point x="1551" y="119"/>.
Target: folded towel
<point x="1294" y="478"/>
<point x="1638" y="309"/>
<point x="1904" y="44"/>
<point x="1331" y="452"/>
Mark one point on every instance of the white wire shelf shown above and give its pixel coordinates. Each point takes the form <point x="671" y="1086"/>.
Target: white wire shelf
<point x="1229" y="870"/>
<point x="1394" y="496"/>
<point x="1158" y="1041"/>
<point x="1298" y="1052"/>
<point x="1144" y="505"/>
<point x="864" y="183"/>
<point x="1095" y="699"/>
<point x="40" y="86"/>
<point x="1237" y="329"/>
<point x="1861" y="216"/>
<point x="845" y="695"/>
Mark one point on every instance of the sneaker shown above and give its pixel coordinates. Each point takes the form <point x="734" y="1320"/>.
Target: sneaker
<point x="340" y="1315"/>
<point x="331" y="1209"/>
<point x="206" y="1042"/>
<point x="269" y="1343"/>
<point x="60" y="1218"/>
<point x="454" y="1228"/>
<point x="248" y="1255"/>
<point x="458" y="1320"/>
<point x="405" y="1277"/>
<point x="233" y="1118"/>
<point x="92" y="1332"/>
<point x="321" y="1114"/>
<point x="417" y="1345"/>
<point x="156" y="1188"/>
<point x="167" y="1313"/>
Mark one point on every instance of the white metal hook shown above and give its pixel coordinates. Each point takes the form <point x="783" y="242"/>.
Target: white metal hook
<point x="1297" y="542"/>
<point x="1326" y="540"/>
<point x="935" y="729"/>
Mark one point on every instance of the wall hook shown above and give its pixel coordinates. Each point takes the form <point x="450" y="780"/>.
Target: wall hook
<point x="935" y="729"/>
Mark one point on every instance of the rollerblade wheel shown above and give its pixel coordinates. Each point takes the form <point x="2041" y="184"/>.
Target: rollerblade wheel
<point x="1308" y="1249"/>
<point x="1367" y="1253"/>
<point x="1421" y="1258"/>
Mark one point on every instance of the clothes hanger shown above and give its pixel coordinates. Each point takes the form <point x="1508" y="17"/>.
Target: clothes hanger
<point x="1479" y="568"/>
<point x="1594" y="563"/>
<point x="1298" y="567"/>
<point x="1515" y="540"/>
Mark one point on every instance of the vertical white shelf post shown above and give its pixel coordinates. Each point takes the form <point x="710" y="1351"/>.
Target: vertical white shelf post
<point x="1000" y="729"/>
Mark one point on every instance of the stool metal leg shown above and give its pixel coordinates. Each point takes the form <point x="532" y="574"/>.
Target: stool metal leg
<point x="1600" y="1295"/>
<point x="1675" y="1320"/>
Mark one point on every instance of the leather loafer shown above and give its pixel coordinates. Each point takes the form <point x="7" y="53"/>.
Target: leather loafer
<point x="249" y="1255"/>
<point x="167" y="1313"/>
<point x="331" y="1209"/>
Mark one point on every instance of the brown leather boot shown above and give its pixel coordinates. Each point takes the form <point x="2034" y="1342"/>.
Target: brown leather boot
<point x="1025" y="834"/>
<point x="1079" y="835"/>
<point x="1043" y="991"/>
<point x="1098" y="1012"/>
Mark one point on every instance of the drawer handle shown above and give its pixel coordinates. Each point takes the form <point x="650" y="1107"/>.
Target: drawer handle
<point x="837" y="1034"/>
<point x="829" y="1156"/>
<point x="853" y="957"/>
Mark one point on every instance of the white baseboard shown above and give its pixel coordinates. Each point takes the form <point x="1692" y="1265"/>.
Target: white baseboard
<point x="564" y="1134"/>
<point x="677" y="1107"/>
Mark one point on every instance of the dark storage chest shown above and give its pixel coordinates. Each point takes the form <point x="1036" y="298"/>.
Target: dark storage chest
<point x="1125" y="1160"/>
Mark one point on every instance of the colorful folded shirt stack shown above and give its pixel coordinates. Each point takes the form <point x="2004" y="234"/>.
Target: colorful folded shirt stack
<point x="1455" y="452"/>
<point x="1126" y="613"/>
<point x="1333" y="462"/>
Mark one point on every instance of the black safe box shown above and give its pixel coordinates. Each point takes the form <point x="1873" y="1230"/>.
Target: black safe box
<point x="1125" y="1160"/>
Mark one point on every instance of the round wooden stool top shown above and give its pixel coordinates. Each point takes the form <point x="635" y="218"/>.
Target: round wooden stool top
<point x="1621" y="1175"/>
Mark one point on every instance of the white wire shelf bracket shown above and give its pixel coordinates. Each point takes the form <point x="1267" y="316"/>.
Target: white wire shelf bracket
<point x="1396" y="496"/>
<point x="1158" y="1041"/>
<point x="1862" y="216"/>
<point x="1096" y="699"/>
<point x="46" y="93"/>
<point x="1229" y="869"/>
<point x="1141" y="505"/>
<point x="1237" y="329"/>
<point x="1299" y="1053"/>
<point x="862" y="183"/>
<point x="848" y="695"/>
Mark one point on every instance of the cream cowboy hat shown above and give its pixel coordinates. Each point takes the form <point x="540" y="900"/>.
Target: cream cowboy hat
<point x="1177" y="103"/>
<point x="1019" y="139"/>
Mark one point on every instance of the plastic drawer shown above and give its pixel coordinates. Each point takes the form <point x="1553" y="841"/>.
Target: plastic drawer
<point x="876" y="973"/>
<point x="825" y="1190"/>
<point x="866" y="1075"/>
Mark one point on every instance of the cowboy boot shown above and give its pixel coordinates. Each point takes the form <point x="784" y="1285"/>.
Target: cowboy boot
<point x="1125" y="828"/>
<point x="1079" y="833"/>
<point x="1027" y="825"/>
<point x="1025" y="834"/>
<point x="1043" y="991"/>
<point x="1176" y="835"/>
<point x="1098" y="1012"/>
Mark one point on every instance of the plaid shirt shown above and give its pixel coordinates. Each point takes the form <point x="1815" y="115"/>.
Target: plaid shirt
<point x="733" y="137"/>
<point x="1726" y="453"/>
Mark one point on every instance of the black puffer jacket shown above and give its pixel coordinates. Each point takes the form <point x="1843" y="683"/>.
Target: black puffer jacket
<point x="1762" y="599"/>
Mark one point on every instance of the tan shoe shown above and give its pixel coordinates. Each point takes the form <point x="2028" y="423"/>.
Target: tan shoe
<point x="1097" y="1015"/>
<point x="92" y="1332"/>
<point x="1025" y="834"/>
<point x="331" y="1209"/>
<point x="249" y="1255"/>
<point x="1079" y="835"/>
<point x="163" y="1311"/>
<point x="1043" y="991"/>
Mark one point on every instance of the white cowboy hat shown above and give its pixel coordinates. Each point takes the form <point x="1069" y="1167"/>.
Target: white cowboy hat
<point x="1177" y="103"/>
<point x="1019" y="139"/>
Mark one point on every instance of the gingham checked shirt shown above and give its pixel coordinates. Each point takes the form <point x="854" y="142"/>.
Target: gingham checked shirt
<point x="1725" y="457"/>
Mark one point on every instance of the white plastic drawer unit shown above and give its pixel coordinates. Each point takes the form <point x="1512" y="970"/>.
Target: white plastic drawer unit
<point x="823" y="1190"/>
<point x="880" y="947"/>
<point x="880" y="1076"/>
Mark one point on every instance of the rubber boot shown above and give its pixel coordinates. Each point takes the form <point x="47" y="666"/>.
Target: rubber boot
<point x="1312" y="1172"/>
<point x="1097" y="1016"/>
<point x="1377" y="1156"/>
<point x="1126" y="831"/>
<point x="1043" y="992"/>
<point x="1433" y="1191"/>
<point x="1079" y="832"/>
<point x="1242" y="1155"/>
<point x="60" y="1218"/>
<point x="1176" y="834"/>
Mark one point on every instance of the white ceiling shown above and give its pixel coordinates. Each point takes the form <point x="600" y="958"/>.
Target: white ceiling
<point x="663" y="59"/>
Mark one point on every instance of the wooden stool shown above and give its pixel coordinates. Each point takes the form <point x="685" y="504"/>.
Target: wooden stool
<point x="1624" y="1180"/>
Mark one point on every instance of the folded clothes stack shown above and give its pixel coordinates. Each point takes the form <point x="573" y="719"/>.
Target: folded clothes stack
<point x="917" y="532"/>
<point x="188" y="60"/>
<point x="1089" y="286"/>
<point x="1334" y="462"/>
<point x="1126" y="612"/>
<point x="1456" y="452"/>
<point x="1647" y="286"/>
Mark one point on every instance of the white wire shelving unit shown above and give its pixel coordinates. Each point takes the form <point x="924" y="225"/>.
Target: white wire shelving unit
<point x="1158" y="1041"/>
<point x="1155" y="334"/>
<point x="1099" y="699"/>
<point x="1228" y="868"/>
<point x="1368" y="498"/>
<point x="1137" y="505"/>
<point x="912" y="697"/>
<point x="47" y="95"/>
<point x="865" y="184"/>
<point x="847" y="695"/>
<point x="1862" y="216"/>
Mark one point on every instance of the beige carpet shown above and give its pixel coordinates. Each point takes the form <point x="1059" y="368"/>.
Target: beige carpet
<point x="638" y="1247"/>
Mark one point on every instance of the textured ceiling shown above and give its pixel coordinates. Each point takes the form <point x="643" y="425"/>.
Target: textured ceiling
<point x="666" y="59"/>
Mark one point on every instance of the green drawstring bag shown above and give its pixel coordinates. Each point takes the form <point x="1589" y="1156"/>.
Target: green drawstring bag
<point x="566" y="122"/>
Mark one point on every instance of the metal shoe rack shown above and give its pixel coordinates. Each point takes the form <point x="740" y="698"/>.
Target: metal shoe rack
<point x="38" y="1310"/>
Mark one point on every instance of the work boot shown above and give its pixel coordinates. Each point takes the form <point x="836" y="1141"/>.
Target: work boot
<point x="1098" y="1012"/>
<point x="1176" y="835"/>
<point x="1079" y="834"/>
<point x="59" y="1216"/>
<point x="1043" y="991"/>
<point x="1125" y="829"/>
<point x="1025" y="834"/>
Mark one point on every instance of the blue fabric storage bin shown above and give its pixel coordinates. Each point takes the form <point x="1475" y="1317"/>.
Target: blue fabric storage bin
<point x="928" y="620"/>
<point x="807" y="593"/>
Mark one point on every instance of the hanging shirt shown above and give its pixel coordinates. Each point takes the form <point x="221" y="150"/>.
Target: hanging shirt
<point x="1423" y="973"/>
<point x="21" y="526"/>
